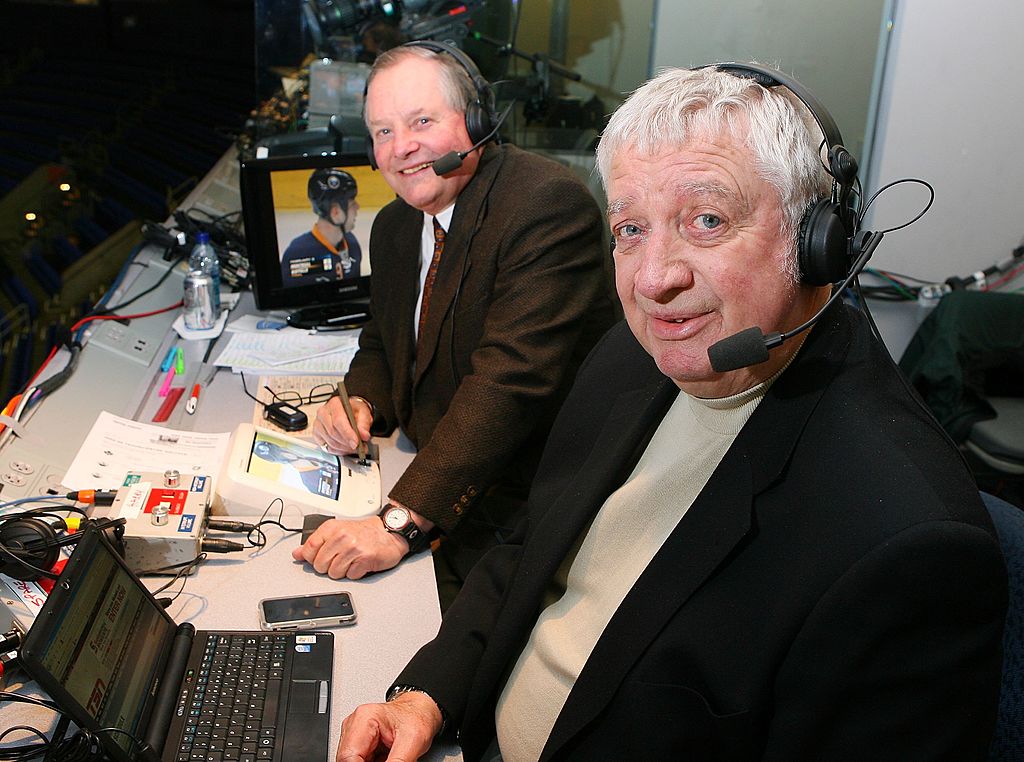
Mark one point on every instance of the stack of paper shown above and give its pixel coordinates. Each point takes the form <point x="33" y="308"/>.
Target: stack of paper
<point x="289" y="352"/>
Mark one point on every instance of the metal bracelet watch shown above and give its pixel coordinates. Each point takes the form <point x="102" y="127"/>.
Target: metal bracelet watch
<point x="398" y="520"/>
<point x="398" y="690"/>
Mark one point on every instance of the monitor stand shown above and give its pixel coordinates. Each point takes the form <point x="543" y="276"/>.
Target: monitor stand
<point x="331" y="317"/>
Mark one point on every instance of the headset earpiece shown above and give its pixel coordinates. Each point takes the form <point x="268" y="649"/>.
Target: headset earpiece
<point x="28" y="548"/>
<point x="823" y="245"/>
<point x="369" y="152"/>
<point x="479" y="120"/>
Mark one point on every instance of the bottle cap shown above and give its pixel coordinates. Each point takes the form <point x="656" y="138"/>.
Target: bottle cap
<point x="203" y="237"/>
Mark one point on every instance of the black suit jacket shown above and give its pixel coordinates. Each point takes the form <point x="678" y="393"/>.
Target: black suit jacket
<point x="519" y="299"/>
<point x="836" y="591"/>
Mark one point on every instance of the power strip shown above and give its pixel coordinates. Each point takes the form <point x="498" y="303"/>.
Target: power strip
<point x="138" y="341"/>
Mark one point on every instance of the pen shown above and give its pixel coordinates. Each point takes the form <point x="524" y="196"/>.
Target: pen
<point x="347" y="404"/>
<point x="179" y="362"/>
<point x="165" y="387"/>
<point x="166" y="364"/>
<point x="190" y="406"/>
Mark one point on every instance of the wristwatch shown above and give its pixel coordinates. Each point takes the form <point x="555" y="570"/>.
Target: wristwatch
<point x="398" y="520"/>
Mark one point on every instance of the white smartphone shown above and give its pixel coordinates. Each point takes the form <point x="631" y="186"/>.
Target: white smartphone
<point x="298" y="612"/>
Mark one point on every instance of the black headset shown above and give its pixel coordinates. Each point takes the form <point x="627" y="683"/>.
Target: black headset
<point x="30" y="544"/>
<point x="481" y="119"/>
<point x="824" y="243"/>
<point x="29" y="547"/>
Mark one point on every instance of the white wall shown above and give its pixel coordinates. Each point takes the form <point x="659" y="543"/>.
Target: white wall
<point x="952" y="112"/>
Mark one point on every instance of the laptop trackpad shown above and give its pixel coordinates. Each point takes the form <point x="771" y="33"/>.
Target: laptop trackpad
<point x="309" y="697"/>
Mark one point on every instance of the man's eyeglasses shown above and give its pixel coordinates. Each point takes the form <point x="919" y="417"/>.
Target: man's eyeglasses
<point x="319" y="393"/>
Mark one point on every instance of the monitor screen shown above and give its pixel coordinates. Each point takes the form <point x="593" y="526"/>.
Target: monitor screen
<point x="264" y="467"/>
<point x="307" y="227"/>
<point x="293" y="463"/>
<point x="102" y="642"/>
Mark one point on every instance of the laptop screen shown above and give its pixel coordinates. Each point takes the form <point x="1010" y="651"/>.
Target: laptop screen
<point x="100" y="641"/>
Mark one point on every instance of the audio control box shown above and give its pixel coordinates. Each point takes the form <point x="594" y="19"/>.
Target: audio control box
<point x="165" y="519"/>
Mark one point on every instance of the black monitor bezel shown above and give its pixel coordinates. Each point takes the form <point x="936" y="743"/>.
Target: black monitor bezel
<point x="258" y="216"/>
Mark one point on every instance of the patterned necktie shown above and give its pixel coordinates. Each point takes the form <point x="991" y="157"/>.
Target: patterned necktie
<point x="428" y="284"/>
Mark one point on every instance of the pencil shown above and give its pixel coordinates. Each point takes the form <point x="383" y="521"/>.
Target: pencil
<point x="347" y="404"/>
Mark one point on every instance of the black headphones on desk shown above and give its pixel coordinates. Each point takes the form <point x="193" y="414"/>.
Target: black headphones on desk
<point x="825" y="243"/>
<point x="30" y="544"/>
<point x="29" y="547"/>
<point x="482" y="121"/>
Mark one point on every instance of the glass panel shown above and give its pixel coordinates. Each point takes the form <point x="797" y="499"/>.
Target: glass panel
<point x="567" y="65"/>
<point x="830" y="47"/>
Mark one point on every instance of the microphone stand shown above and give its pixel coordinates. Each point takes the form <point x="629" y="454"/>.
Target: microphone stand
<point x="538" y="60"/>
<point x="535" y="90"/>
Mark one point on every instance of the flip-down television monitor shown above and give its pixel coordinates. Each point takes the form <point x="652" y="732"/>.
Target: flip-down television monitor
<point x="307" y="229"/>
<point x="263" y="466"/>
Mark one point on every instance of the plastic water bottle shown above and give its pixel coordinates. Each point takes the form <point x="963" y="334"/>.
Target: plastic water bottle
<point x="204" y="257"/>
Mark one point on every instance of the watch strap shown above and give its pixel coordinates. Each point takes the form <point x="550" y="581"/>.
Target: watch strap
<point x="416" y="537"/>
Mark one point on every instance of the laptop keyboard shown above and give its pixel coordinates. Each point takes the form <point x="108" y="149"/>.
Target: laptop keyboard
<point x="232" y="714"/>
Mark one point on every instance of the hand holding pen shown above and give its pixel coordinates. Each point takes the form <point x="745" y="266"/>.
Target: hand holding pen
<point x="347" y="404"/>
<point x="342" y="425"/>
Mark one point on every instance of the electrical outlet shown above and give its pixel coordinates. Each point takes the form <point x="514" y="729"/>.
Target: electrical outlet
<point x="137" y="341"/>
<point x="22" y="467"/>
<point x="13" y="478"/>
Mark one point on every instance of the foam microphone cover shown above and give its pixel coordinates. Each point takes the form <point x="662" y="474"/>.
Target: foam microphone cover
<point x="738" y="351"/>
<point x="447" y="163"/>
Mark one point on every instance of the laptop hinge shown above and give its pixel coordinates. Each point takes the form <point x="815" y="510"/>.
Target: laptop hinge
<point x="170" y="684"/>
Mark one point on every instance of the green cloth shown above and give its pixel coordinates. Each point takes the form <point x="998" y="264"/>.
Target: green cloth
<point x="970" y="346"/>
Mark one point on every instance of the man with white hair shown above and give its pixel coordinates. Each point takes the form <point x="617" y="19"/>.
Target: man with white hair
<point x="783" y="560"/>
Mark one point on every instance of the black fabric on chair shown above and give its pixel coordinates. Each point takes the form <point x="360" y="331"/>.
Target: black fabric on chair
<point x="1008" y="741"/>
<point x="970" y="348"/>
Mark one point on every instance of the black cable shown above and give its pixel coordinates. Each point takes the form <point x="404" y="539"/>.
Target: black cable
<point x="261" y="540"/>
<point x="225" y="235"/>
<point x="900" y="276"/>
<point x="57" y="380"/>
<point x="151" y="289"/>
<point x="83" y="746"/>
<point x="161" y="569"/>
<point x="25" y="750"/>
<point x="887" y="186"/>
<point x="17" y="698"/>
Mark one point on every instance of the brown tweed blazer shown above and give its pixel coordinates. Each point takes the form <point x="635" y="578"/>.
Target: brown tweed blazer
<point x="520" y="297"/>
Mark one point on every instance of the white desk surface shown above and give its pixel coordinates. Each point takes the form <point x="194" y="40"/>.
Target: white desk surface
<point x="397" y="610"/>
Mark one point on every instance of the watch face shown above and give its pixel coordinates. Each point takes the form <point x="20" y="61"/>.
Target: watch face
<point x="395" y="518"/>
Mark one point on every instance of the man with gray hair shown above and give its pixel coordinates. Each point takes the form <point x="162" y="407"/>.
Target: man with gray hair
<point x="780" y="558"/>
<point x="488" y="289"/>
